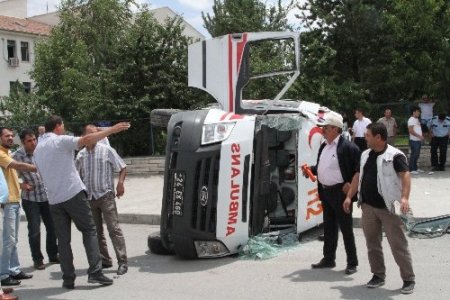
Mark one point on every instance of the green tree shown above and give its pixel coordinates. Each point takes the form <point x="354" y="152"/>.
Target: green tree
<point x="234" y="16"/>
<point x="374" y="51"/>
<point x="22" y="110"/>
<point x="102" y="62"/>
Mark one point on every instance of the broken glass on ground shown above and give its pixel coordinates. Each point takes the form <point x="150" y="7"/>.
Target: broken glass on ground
<point x="429" y="228"/>
<point x="268" y="245"/>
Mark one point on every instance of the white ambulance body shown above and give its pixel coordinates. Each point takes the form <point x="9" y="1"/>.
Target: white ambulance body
<point x="234" y="172"/>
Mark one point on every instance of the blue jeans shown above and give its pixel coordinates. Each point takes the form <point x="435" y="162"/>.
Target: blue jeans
<point x="415" y="153"/>
<point x="10" y="260"/>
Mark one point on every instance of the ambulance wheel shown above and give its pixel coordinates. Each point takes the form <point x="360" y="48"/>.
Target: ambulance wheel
<point x="161" y="117"/>
<point x="156" y="246"/>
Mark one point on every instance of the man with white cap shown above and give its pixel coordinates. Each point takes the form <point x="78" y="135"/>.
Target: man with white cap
<point x="337" y="162"/>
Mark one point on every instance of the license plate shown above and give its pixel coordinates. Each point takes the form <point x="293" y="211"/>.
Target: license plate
<point x="178" y="193"/>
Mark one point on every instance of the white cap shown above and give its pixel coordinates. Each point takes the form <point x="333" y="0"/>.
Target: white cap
<point x="331" y="118"/>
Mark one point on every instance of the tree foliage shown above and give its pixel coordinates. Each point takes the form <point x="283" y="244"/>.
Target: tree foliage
<point x="234" y="16"/>
<point x="104" y="62"/>
<point x="374" y="51"/>
<point x="22" y="110"/>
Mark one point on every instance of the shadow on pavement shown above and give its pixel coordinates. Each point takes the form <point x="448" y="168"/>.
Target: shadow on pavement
<point x="166" y="264"/>
<point x="330" y="275"/>
<point x="45" y="293"/>
<point x="362" y="292"/>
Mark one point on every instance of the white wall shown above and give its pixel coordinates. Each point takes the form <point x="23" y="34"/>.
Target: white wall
<point x="13" y="8"/>
<point x="21" y="72"/>
<point x="51" y="19"/>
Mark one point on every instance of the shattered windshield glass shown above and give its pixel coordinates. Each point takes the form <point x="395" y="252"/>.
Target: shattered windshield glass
<point x="264" y="246"/>
<point x="282" y="122"/>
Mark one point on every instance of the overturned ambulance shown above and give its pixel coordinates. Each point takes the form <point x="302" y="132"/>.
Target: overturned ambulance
<point x="234" y="171"/>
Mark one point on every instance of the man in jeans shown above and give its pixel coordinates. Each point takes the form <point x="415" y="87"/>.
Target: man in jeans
<point x="384" y="180"/>
<point x="35" y="204"/>
<point x="54" y="158"/>
<point x="96" y="164"/>
<point x="415" y="140"/>
<point x="10" y="266"/>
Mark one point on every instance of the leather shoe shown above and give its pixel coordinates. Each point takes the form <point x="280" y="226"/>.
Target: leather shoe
<point x="8" y="297"/>
<point x="106" y="266"/>
<point x="22" y="275"/>
<point x="324" y="264"/>
<point x="350" y="270"/>
<point x="55" y="260"/>
<point x="8" y="290"/>
<point x="123" y="268"/>
<point x="39" y="265"/>
<point x="68" y="285"/>
<point x="10" y="281"/>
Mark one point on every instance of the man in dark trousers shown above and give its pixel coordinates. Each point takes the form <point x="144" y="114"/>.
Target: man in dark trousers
<point x="337" y="162"/>
<point x="383" y="179"/>
<point x="54" y="158"/>
<point x="35" y="204"/>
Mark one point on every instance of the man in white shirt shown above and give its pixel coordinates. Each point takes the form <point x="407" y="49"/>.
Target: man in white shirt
<point x="426" y="110"/>
<point x="415" y="139"/>
<point x="54" y="159"/>
<point x="359" y="129"/>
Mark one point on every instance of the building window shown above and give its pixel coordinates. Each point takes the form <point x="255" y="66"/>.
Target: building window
<point x="27" y="87"/>
<point x="15" y="87"/>
<point x="25" y="51"/>
<point x="11" y="49"/>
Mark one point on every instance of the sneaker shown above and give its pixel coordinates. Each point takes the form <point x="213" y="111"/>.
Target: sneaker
<point x="408" y="287"/>
<point x="100" y="278"/>
<point x="414" y="172"/>
<point x="9" y="281"/>
<point x="431" y="173"/>
<point x="420" y="171"/>
<point x="22" y="275"/>
<point x="375" y="282"/>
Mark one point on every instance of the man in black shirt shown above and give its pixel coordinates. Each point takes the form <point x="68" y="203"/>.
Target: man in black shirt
<point x="385" y="179"/>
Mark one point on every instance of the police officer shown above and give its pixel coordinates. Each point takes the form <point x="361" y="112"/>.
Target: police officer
<point x="440" y="130"/>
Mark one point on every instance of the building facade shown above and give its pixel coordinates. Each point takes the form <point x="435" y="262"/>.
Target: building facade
<point x="19" y="34"/>
<point x="18" y="38"/>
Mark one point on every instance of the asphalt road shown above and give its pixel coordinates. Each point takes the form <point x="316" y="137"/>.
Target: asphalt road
<point x="287" y="276"/>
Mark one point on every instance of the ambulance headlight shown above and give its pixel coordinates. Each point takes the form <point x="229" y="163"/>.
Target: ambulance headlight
<point x="217" y="132"/>
<point x="209" y="249"/>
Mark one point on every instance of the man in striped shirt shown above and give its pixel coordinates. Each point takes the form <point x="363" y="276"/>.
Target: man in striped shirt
<point x="96" y="164"/>
<point x="35" y="204"/>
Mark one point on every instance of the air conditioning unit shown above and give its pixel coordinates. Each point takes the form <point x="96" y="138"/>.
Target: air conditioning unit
<point x="13" y="61"/>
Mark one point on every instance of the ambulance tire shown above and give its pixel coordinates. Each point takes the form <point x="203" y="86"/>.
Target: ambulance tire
<point x="156" y="246"/>
<point x="161" y="117"/>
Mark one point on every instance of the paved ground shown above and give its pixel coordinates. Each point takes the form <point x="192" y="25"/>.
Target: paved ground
<point x="287" y="276"/>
